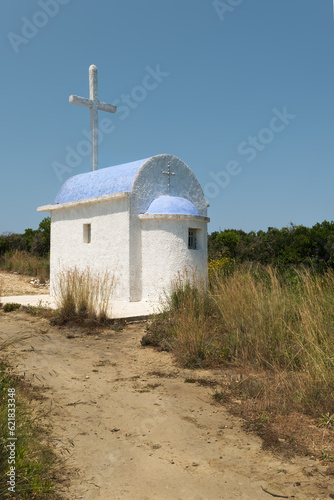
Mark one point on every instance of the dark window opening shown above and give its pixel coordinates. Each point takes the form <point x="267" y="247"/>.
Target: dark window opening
<point x="87" y="233"/>
<point x="192" y="239"/>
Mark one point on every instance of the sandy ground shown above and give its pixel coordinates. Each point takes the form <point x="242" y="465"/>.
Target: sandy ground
<point x="133" y="429"/>
<point x="17" y="284"/>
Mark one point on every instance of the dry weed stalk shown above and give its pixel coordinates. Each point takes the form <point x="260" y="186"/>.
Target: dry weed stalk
<point x="84" y="293"/>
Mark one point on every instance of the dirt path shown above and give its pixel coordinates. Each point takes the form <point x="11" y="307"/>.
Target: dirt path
<point x="135" y="430"/>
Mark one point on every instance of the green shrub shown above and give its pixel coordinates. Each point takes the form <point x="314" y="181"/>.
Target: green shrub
<point x="11" y="306"/>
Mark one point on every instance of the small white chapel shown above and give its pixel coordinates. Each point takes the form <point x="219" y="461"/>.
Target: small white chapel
<point x="144" y="221"/>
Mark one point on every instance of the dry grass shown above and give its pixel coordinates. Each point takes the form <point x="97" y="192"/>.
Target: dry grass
<point x="84" y="294"/>
<point x="26" y="263"/>
<point x="280" y="329"/>
<point x="282" y="326"/>
<point x="191" y="307"/>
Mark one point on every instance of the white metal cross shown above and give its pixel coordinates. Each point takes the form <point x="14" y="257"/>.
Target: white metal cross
<point x="169" y="173"/>
<point x="94" y="104"/>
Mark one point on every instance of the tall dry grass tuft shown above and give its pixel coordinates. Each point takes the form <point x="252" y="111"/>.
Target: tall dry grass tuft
<point x="187" y="325"/>
<point x="254" y="309"/>
<point x="84" y="294"/>
<point x="279" y="326"/>
<point x="284" y="325"/>
<point x="26" y="263"/>
<point x="188" y="304"/>
<point x="314" y="336"/>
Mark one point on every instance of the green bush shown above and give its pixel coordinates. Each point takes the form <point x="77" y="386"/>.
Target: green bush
<point x="287" y="247"/>
<point x="34" y="241"/>
<point x="11" y="306"/>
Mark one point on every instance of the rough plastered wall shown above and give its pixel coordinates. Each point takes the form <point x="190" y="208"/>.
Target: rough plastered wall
<point x="165" y="253"/>
<point x="109" y="246"/>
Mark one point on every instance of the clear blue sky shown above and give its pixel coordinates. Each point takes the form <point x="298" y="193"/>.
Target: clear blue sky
<point x="243" y="95"/>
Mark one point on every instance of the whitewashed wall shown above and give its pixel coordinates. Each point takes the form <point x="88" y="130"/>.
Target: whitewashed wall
<point x="109" y="247"/>
<point x="165" y="253"/>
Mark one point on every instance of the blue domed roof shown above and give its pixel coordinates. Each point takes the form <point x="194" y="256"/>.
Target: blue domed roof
<point x="172" y="205"/>
<point x="100" y="182"/>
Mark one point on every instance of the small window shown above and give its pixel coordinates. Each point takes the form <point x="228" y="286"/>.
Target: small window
<point x="192" y="239"/>
<point x="86" y="233"/>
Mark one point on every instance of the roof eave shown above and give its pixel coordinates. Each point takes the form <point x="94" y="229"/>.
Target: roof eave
<point x="87" y="201"/>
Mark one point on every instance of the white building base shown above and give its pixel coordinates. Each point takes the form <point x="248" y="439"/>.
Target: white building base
<point x="117" y="310"/>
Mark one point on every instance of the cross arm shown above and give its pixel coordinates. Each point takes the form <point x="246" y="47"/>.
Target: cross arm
<point x="82" y="101"/>
<point x="88" y="103"/>
<point x="104" y="106"/>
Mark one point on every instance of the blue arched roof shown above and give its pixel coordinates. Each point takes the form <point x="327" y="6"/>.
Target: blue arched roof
<point x="99" y="182"/>
<point x="172" y="205"/>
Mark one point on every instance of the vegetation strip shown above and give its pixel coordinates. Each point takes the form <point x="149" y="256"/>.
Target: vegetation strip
<point x="29" y="469"/>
